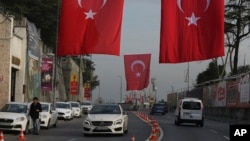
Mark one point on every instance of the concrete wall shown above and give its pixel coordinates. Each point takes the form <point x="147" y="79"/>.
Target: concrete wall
<point x="5" y="37"/>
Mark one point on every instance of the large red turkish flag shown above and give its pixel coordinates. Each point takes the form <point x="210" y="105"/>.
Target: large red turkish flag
<point x="191" y="30"/>
<point x="90" y="27"/>
<point x="137" y="70"/>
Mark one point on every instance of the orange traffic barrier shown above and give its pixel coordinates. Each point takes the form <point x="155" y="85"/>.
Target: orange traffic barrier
<point x="133" y="138"/>
<point x="21" y="136"/>
<point x="153" y="135"/>
<point x="1" y="136"/>
<point x="156" y="126"/>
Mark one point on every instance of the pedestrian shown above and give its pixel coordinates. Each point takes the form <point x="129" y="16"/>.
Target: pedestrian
<point x="35" y="109"/>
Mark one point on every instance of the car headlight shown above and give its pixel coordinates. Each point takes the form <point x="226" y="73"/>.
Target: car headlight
<point x="19" y="119"/>
<point x="44" y="116"/>
<point x="87" y="122"/>
<point x="68" y="112"/>
<point x="77" y="110"/>
<point x="118" y="122"/>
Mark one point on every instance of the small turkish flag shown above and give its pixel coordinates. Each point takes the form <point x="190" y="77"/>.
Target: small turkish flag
<point x="137" y="70"/>
<point x="191" y="30"/>
<point x="90" y="27"/>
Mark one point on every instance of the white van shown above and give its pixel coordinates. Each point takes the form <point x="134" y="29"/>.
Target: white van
<point x="189" y="110"/>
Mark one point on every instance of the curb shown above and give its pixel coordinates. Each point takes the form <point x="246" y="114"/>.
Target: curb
<point x="161" y="131"/>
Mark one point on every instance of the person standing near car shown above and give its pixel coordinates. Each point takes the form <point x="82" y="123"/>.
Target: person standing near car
<point x="35" y="109"/>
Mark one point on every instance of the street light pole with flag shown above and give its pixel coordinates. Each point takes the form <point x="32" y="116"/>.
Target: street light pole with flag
<point x="137" y="71"/>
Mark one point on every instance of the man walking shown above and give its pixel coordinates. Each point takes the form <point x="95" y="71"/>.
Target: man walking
<point x="34" y="110"/>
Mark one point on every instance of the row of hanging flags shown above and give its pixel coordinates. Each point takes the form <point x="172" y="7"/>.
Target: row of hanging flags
<point x="190" y="31"/>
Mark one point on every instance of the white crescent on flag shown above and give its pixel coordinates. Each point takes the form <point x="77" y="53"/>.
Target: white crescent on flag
<point x="103" y="4"/>
<point x="137" y="62"/>
<point x="181" y="9"/>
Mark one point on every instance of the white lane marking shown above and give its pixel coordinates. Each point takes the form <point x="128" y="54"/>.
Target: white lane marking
<point x="213" y="131"/>
<point x="226" y="137"/>
<point x="71" y="140"/>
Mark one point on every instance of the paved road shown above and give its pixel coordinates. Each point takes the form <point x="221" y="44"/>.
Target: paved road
<point x="72" y="131"/>
<point x="212" y="130"/>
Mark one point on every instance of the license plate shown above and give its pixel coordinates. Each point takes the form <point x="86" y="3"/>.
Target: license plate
<point x="186" y="114"/>
<point x="4" y="123"/>
<point x="101" y="128"/>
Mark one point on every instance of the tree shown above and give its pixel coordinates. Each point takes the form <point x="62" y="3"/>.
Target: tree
<point x="212" y="72"/>
<point x="88" y="73"/>
<point x="44" y="13"/>
<point x="236" y="29"/>
<point x="242" y="69"/>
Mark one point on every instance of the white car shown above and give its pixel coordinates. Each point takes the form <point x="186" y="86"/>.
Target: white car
<point x="48" y="116"/>
<point x="189" y="110"/>
<point x="86" y="107"/>
<point x="77" y="111"/>
<point x="106" y="119"/>
<point x="64" y="110"/>
<point x="14" y="117"/>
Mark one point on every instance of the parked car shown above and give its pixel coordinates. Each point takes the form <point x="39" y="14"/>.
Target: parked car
<point x="189" y="110"/>
<point x="106" y="119"/>
<point x="158" y="108"/>
<point x="64" y="110"/>
<point x="86" y="107"/>
<point x="77" y="110"/>
<point x="48" y="115"/>
<point x="14" y="117"/>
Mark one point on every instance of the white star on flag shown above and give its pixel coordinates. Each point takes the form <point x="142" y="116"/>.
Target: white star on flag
<point x="138" y="74"/>
<point x="192" y="20"/>
<point x="90" y="14"/>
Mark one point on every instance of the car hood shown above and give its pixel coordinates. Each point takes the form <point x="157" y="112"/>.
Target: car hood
<point x="63" y="110"/>
<point x="11" y="115"/>
<point x="104" y="117"/>
<point x="75" y="108"/>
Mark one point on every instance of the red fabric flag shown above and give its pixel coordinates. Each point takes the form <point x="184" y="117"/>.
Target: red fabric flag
<point x="191" y="30"/>
<point x="90" y="27"/>
<point x="137" y="70"/>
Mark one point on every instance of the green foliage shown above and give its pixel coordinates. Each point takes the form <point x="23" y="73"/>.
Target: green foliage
<point x="89" y="69"/>
<point x="44" y="13"/>
<point x="242" y="69"/>
<point x="211" y="73"/>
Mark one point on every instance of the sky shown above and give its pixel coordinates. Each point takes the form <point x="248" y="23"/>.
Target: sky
<point x="141" y="34"/>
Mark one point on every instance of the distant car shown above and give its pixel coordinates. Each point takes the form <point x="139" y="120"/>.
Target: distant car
<point x="14" y="117"/>
<point x="165" y="106"/>
<point x="64" y="110"/>
<point x="158" y="108"/>
<point x="106" y="119"/>
<point x="86" y="107"/>
<point x="189" y="110"/>
<point x="48" y="115"/>
<point x="76" y="107"/>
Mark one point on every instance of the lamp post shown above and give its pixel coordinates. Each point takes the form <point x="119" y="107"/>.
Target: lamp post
<point x="153" y="82"/>
<point x="120" y="87"/>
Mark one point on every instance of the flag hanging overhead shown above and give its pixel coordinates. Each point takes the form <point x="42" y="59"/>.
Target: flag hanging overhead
<point x="191" y="30"/>
<point x="137" y="70"/>
<point x="90" y="27"/>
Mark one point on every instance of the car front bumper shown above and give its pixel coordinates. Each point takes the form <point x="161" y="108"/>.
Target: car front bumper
<point x="114" y="129"/>
<point x="12" y="126"/>
<point x="64" y="116"/>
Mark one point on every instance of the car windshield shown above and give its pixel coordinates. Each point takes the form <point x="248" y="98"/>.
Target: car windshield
<point x="86" y="103"/>
<point x="75" y="105"/>
<point x="105" y="109"/>
<point x="63" y="105"/>
<point x="15" y="108"/>
<point x="158" y="106"/>
<point x="191" y="105"/>
<point x="45" y="107"/>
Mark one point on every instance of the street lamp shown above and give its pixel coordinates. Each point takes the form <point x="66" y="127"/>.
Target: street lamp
<point x="120" y="88"/>
<point x="153" y="82"/>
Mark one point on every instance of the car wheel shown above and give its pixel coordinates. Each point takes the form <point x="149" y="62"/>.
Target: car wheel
<point x="47" y="127"/>
<point x="202" y="124"/>
<point x="26" y="131"/>
<point x="54" y="125"/>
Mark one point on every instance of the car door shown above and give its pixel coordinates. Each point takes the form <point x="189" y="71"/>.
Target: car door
<point x="53" y="114"/>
